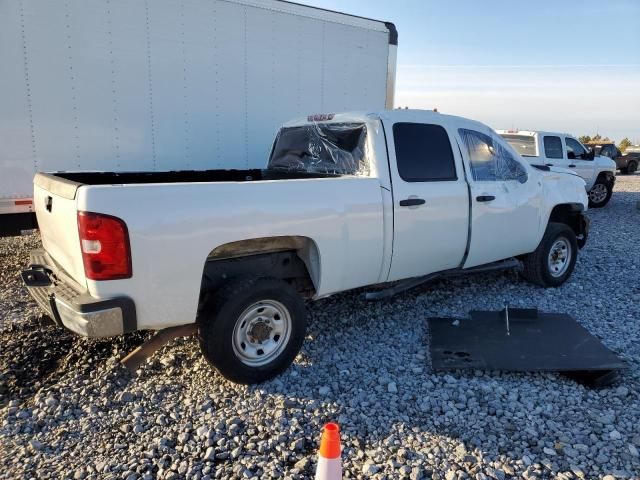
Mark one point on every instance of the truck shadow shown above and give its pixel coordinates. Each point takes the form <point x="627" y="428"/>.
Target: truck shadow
<point x="37" y="354"/>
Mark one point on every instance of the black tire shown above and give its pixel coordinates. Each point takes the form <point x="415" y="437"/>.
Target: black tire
<point x="631" y="168"/>
<point x="536" y="264"/>
<point x="600" y="183"/>
<point x="223" y="310"/>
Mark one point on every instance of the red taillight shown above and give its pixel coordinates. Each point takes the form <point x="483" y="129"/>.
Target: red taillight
<point x="104" y="242"/>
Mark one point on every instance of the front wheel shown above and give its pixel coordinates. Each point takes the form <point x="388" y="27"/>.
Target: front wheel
<point x="631" y="168"/>
<point x="555" y="258"/>
<point x="600" y="194"/>
<point x="252" y="329"/>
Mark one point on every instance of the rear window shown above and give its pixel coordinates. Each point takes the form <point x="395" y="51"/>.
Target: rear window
<point x="525" y="145"/>
<point x="331" y="148"/>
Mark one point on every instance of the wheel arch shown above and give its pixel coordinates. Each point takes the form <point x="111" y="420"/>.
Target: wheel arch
<point x="295" y="259"/>
<point x="571" y="214"/>
<point x="605" y="176"/>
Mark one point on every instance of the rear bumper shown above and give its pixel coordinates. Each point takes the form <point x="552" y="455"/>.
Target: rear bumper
<point x="77" y="311"/>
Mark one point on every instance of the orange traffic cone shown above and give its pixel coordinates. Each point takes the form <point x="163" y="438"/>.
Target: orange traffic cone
<point x="329" y="462"/>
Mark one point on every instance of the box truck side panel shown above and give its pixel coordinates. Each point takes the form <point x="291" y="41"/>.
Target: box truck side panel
<point x="355" y="67"/>
<point x="135" y="85"/>
<point x="17" y="151"/>
<point x="130" y="91"/>
<point x="168" y="76"/>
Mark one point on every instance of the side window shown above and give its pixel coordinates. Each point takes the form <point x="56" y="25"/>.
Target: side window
<point x="552" y="147"/>
<point x="490" y="160"/>
<point x="574" y="149"/>
<point x="423" y="152"/>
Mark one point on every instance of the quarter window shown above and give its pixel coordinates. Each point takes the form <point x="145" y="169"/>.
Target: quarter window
<point x="490" y="159"/>
<point x="552" y="147"/>
<point x="423" y="152"/>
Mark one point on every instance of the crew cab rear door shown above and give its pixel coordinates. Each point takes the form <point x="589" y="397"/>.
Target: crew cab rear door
<point x="505" y="198"/>
<point x="430" y="199"/>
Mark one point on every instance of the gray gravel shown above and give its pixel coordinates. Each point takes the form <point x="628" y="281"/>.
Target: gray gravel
<point x="67" y="410"/>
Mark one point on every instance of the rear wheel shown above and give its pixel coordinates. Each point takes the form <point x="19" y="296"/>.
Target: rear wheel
<point x="631" y="168"/>
<point x="555" y="258"/>
<point x="600" y="193"/>
<point x="252" y="329"/>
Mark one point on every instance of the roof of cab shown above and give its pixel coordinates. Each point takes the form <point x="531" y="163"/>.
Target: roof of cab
<point x="393" y="116"/>
<point x="512" y="131"/>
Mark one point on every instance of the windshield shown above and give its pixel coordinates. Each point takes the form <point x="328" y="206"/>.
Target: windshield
<point x="332" y="148"/>
<point x="525" y="145"/>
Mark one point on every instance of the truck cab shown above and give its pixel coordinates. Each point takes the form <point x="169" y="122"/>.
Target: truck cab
<point x="565" y="151"/>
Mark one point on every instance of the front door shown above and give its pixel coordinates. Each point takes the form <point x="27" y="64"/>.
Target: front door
<point x="505" y="210"/>
<point x="578" y="162"/>
<point x="430" y="201"/>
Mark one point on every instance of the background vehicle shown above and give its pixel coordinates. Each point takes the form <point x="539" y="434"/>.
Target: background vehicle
<point x="346" y="201"/>
<point x="563" y="150"/>
<point x="627" y="163"/>
<point x="157" y="86"/>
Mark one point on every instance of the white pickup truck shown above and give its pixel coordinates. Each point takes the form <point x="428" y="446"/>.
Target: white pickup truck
<point x="346" y="201"/>
<point x="563" y="150"/>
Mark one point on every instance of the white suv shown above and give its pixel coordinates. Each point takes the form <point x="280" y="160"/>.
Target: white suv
<point x="565" y="151"/>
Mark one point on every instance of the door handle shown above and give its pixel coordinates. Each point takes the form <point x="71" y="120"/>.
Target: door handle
<point x="412" y="202"/>
<point x="572" y="166"/>
<point x="549" y="164"/>
<point x="485" y="198"/>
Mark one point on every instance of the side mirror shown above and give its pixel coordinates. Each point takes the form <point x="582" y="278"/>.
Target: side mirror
<point x="590" y="155"/>
<point x="571" y="155"/>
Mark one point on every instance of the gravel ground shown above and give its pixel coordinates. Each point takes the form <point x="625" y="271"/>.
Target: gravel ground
<point x="68" y="410"/>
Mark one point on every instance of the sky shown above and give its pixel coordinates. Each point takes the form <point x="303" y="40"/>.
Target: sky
<point x="558" y="65"/>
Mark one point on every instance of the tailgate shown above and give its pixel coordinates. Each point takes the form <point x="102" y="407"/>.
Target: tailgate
<point x="54" y="199"/>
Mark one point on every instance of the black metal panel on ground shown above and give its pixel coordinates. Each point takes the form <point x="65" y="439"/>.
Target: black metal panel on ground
<point x="535" y="343"/>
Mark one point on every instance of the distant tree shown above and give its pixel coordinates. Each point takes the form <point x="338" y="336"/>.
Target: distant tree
<point x="624" y="144"/>
<point x="597" y="138"/>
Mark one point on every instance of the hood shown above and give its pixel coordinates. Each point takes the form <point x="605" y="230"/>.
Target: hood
<point x="562" y="174"/>
<point x="605" y="162"/>
<point x="564" y="170"/>
<point x="547" y="170"/>
<point x="564" y="185"/>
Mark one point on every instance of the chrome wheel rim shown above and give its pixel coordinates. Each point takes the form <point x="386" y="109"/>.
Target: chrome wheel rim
<point x="598" y="193"/>
<point x="261" y="332"/>
<point x="559" y="257"/>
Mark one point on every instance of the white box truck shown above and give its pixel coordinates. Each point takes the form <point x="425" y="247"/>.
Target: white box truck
<point x="162" y="85"/>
